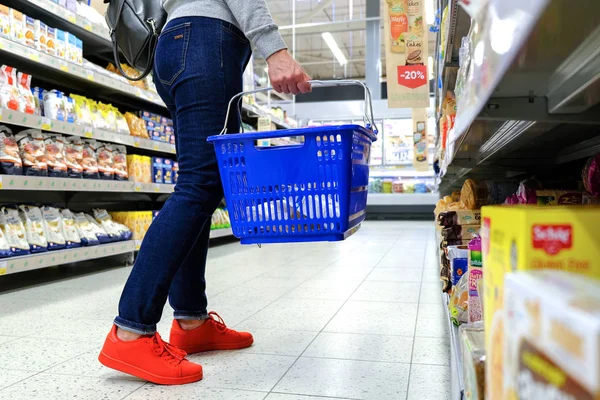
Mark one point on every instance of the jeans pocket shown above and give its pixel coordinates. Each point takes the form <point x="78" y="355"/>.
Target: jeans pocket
<point x="171" y="52"/>
<point x="235" y="33"/>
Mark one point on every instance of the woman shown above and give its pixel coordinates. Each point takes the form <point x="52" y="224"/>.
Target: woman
<point x="200" y="58"/>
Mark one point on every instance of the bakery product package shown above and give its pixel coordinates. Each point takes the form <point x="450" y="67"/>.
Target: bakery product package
<point x="553" y="349"/>
<point x="527" y="237"/>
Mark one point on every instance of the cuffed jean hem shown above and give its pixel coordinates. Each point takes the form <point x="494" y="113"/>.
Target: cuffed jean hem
<point x="191" y="315"/>
<point x="134" y="327"/>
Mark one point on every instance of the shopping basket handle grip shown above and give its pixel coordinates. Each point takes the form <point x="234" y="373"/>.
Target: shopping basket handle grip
<point x="369" y="117"/>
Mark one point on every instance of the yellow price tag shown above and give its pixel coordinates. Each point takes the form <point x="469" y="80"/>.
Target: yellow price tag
<point x="0" y="182"/>
<point x="91" y="77"/>
<point x="88" y="134"/>
<point x="34" y="57"/>
<point x="87" y="26"/>
<point x="71" y="18"/>
<point x="136" y="143"/>
<point x="46" y="124"/>
<point x="2" y="271"/>
<point x="64" y="67"/>
<point x="155" y="147"/>
<point x="137" y="188"/>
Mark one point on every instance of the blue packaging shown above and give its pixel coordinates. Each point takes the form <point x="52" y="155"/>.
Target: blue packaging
<point x="157" y="170"/>
<point x="167" y="171"/>
<point x="175" y="171"/>
<point x="460" y="266"/>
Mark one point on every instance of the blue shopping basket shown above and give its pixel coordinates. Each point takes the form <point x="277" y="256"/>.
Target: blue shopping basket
<point x="309" y="192"/>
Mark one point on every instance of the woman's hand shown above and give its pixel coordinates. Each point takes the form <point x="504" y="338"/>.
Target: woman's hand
<point x="286" y="74"/>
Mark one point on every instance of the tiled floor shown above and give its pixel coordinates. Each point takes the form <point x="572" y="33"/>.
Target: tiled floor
<point x="360" y="319"/>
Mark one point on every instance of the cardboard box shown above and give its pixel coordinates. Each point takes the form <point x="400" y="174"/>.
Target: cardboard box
<point x="157" y="170"/>
<point x="139" y="168"/>
<point x="41" y="36"/>
<point x="61" y="44"/>
<point x="167" y="171"/>
<point x="71" y="44"/>
<point x="17" y="26"/>
<point x="552" y="336"/>
<point x="51" y="41"/>
<point x="460" y="217"/>
<point x="520" y="238"/>
<point x="4" y="21"/>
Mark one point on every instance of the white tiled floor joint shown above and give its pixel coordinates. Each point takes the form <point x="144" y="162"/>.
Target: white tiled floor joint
<point x="360" y="319"/>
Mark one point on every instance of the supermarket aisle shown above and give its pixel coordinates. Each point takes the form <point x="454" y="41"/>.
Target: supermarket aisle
<point x="362" y="319"/>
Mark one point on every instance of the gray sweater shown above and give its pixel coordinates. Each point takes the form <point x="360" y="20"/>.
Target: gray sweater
<point x="251" y="16"/>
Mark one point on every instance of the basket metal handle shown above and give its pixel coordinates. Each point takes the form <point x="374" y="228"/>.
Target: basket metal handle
<point x="368" y="118"/>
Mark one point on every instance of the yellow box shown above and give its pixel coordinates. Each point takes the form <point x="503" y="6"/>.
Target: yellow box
<point x="139" y="168"/>
<point x="519" y="238"/>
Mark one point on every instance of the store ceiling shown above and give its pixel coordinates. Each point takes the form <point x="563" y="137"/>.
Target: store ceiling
<point x="345" y="19"/>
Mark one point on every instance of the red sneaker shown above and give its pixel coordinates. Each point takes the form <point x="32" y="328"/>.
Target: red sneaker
<point x="149" y="358"/>
<point x="212" y="335"/>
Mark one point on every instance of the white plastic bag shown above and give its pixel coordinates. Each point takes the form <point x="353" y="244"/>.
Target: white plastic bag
<point x="85" y="230"/>
<point x="14" y="231"/>
<point x="34" y="228"/>
<point x="52" y="225"/>
<point x="68" y="229"/>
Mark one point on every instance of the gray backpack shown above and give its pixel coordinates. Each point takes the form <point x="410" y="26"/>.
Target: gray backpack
<point x="134" y="29"/>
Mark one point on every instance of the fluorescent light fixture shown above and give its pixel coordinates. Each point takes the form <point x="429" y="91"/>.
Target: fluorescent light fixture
<point x="429" y="12"/>
<point x="335" y="49"/>
<point x="350" y="9"/>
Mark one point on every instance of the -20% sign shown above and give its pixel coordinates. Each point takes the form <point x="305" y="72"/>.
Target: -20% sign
<point x="412" y="76"/>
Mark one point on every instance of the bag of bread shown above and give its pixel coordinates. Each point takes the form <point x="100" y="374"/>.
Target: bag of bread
<point x="14" y="231"/>
<point x="33" y="152"/>
<point x="34" y="228"/>
<point x="10" y="160"/>
<point x="99" y="231"/>
<point x="52" y="225"/>
<point x="55" y="155"/>
<point x="85" y="230"/>
<point x="68" y="229"/>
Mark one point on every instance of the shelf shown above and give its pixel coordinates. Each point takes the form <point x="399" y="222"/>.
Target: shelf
<point x="457" y="384"/>
<point x="21" y="182"/>
<point x="214" y="234"/>
<point x="533" y="99"/>
<point x="49" y="125"/>
<point x="63" y="73"/>
<point x="407" y="173"/>
<point x="13" y="265"/>
<point x="255" y="112"/>
<point x="402" y="199"/>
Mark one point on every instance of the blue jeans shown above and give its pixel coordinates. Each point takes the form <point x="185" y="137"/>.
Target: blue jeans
<point x="198" y="68"/>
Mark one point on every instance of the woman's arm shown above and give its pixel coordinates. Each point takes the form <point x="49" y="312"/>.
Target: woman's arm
<point x="256" y="22"/>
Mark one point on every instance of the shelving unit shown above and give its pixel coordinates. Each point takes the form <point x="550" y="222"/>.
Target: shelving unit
<point x="535" y="102"/>
<point x="58" y="257"/>
<point x="457" y="386"/>
<point x="20" y="182"/>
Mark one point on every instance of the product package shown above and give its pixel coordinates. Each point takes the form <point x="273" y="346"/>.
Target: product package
<point x="99" y="231"/>
<point x="157" y="170"/>
<point x="4" y="247"/>
<point x="591" y="176"/>
<point x="53" y="228"/>
<point x="74" y="157"/>
<point x="17" y="26"/>
<point x="552" y="338"/>
<point x="61" y="44"/>
<point x="175" y="171"/>
<point x="460" y="232"/>
<point x="475" y="276"/>
<point x="54" y="107"/>
<point x="89" y="161"/>
<point x="14" y="231"/>
<point x="9" y="93"/>
<point x="40" y="31"/>
<point x="85" y="230"/>
<point x="69" y="107"/>
<point x="68" y="229"/>
<point x="103" y="218"/>
<point x="10" y="160"/>
<point x="137" y="127"/>
<point x="167" y="171"/>
<point x="459" y="217"/>
<point x="4" y="21"/>
<point x="71" y="47"/>
<point x="26" y="99"/>
<point x="520" y="238"/>
<point x="558" y="197"/>
<point x="120" y="163"/>
<point x="104" y="154"/>
<point x="55" y="155"/>
<point x="472" y="346"/>
<point x="139" y="168"/>
<point x="459" y="262"/>
<point x="29" y="31"/>
<point x="79" y="52"/>
<point x="50" y="40"/>
<point x="34" y="228"/>
<point x="32" y="150"/>
<point x="459" y="301"/>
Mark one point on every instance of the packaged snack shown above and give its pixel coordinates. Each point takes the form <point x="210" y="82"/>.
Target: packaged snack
<point x="50" y="40"/>
<point x="55" y="155"/>
<point x="150" y="117"/>
<point x="34" y="228"/>
<point x="14" y="231"/>
<point x="520" y="238"/>
<point x="10" y="160"/>
<point x="38" y="97"/>
<point x="121" y="123"/>
<point x="26" y="99"/>
<point x="414" y="48"/>
<point x="175" y="171"/>
<point x="32" y="150"/>
<point x="167" y="171"/>
<point x="136" y="126"/>
<point x="79" y="52"/>
<point x="54" y="107"/>
<point x="4" y="21"/>
<point x="9" y="94"/>
<point x="552" y="345"/>
<point x="99" y="231"/>
<point x="83" y="115"/>
<point x="98" y="120"/>
<point x="4" y="247"/>
<point x="461" y="232"/>
<point x="17" y="25"/>
<point x="459" y="301"/>
<point x="89" y="161"/>
<point x="40" y="31"/>
<point x="85" y="230"/>
<point x="558" y="197"/>
<point x="71" y="47"/>
<point x="120" y="163"/>
<point x="459" y="217"/>
<point x="475" y="275"/>
<point x="74" y="157"/>
<point x="108" y="116"/>
<point x="398" y="24"/>
<point x="69" y="230"/>
<point x="104" y="219"/>
<point x="591" y="176"/>
<point x="104" y="155"/>
<point x="52" y="226"/>
<point x="69" y="107"/>
<point x="459" y="262"/>
<point x="29" y="27"/>
<point x="61" y="44"/>
<point x="157" y="170"/>
<point x="472" y="346"/>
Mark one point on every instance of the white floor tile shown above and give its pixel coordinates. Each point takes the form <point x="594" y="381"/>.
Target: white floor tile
<point x="401" y="292"/>
<point x="344" y="273"/>
<point x="317" y="289"/>
<point x="54" y="387"/>
<point x="244" y="371"/>
<point x="279" y="396"/>
<point x="428" y="382"/>
<point x="396" y="275"/>
<point x="431" y="351"/>
<point x="278" y="342"/>
<point x="345" y="378"/>
<point x="431" y="327"/>
<point x="375" y="318"/>
<point x="12" y="376"/>
<point x="192" y="391"/>
<point x="352" y="346"/>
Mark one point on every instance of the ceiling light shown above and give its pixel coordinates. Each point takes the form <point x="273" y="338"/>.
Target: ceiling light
<point x="350" y="9"/>
<point x="335" y="49"/>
